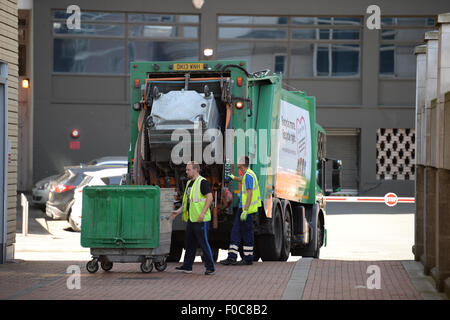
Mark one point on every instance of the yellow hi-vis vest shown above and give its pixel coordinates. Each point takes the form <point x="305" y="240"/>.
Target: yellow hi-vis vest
<point x="196" y="202"/>
<point x="256" y="195"/>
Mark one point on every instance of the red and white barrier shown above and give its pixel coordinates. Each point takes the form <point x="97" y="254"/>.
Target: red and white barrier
<point x="389" y="199"/>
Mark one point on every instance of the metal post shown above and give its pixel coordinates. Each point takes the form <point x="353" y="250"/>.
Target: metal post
<point x="24" y="203"/>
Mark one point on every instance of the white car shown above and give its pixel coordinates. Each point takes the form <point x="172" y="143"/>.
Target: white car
<point x="112" y="176"/>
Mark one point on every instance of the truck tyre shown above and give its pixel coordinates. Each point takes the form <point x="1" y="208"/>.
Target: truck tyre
<point x="287" y="233"/>
<point x="271" y="245"/>
<point x="312" y="250"/>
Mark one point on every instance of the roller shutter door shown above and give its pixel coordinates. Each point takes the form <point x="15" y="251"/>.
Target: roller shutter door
<point x="343" y="144"/>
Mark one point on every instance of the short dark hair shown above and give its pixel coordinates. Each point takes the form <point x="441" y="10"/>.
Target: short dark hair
<point x="194" y="165"/>
<point x="244" y="160"/>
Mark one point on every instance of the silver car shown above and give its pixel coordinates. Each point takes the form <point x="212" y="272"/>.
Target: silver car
<point x="41" y="189"/>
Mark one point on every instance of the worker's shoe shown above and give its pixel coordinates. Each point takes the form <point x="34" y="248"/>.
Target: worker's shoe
<point x="183" y="269"/>
<point x="244" y="263"/>
<point x="210" y="272"/>
<point x="228" y="262"/>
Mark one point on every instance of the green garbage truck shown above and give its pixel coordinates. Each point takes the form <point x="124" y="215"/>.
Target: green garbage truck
<point x="213" y="112"/>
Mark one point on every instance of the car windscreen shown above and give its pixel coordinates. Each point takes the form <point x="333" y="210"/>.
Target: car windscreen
<point x="65" y="176"/>
<point x="76" y="179"/>
<point x="112" y="180"/>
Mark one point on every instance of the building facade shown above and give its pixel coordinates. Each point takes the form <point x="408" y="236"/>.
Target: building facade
<point x="363" y="78"/>
<point x="8" y="125"/>
<point x="432" y="218"/>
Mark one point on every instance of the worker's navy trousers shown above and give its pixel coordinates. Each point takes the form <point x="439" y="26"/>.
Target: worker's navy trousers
<point x="242" y="230"/>
<point x="197" y="234"/>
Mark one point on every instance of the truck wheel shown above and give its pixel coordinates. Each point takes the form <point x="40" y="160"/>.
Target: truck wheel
<point x="270" y="245"/>
<point x="312" y="250"/>
<point x="320" y="237"/>
<point x="287" y="231"/>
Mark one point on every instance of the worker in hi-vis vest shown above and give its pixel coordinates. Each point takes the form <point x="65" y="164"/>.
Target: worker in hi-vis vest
<point x="250" y="201"/>
<point x="197" y="199"/>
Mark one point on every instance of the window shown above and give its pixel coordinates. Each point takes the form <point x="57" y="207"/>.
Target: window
<point x="395" y="154"/>
<point x="115" y="180"/>
<point x="280" y="63"/>
<point x="107" y="42"/>
<point x="88" y="55"/>
<point x="299" y="47"/>
<point x="173" y="37"/>
<point x="398" y="38"/>
<point x="325" y="46"/>
<point x="162" y="50"/>
<point x="258" y="55"/>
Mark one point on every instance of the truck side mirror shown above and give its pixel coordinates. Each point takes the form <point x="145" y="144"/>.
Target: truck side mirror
<point x="336" y="175"/>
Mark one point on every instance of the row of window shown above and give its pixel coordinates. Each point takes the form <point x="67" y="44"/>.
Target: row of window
<point x="298" y="47"/>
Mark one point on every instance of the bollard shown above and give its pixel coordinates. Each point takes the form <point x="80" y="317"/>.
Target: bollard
<point x="24" y="203"/>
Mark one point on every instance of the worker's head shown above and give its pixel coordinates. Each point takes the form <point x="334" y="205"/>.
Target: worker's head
<point x="243" y="163"/>
<point x="192" y="169"/>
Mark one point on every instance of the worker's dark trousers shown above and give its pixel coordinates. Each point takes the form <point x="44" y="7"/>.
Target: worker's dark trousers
<point x="197" y="234"/>
<point x="242" y="230"/>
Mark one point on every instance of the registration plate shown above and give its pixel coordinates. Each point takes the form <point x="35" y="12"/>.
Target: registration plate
<point x="188" y="66"/>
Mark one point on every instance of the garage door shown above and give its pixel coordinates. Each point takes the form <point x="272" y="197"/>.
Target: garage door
<point x="343" y="144"/>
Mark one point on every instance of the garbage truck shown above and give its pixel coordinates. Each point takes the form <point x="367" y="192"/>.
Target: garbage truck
<point x="213" y="112"/>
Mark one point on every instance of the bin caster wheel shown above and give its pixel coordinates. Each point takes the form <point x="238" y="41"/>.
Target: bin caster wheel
<point x="147" y="266"/>
<point x="106" y="265"/>
<point x="161" y="266"/>
<point x="92" y="266"/>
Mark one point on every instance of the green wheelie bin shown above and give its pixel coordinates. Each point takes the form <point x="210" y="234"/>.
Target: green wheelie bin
<point x="127" y="224"/>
